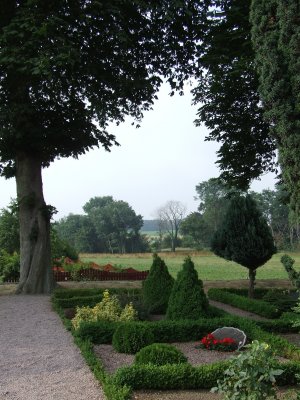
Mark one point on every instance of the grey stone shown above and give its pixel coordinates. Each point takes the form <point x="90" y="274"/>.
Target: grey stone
<point x="231" y="332"/>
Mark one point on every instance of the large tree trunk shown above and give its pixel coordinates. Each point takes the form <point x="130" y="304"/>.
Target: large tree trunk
<point x="252" y="274"/>
<point x="36" y="274"/>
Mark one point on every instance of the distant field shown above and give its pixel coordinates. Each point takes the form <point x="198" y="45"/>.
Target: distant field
<point x="209" y="266"/>
<point x="150" y="233"/>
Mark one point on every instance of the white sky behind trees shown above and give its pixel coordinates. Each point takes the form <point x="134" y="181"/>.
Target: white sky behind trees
<point x="162" y="160"/>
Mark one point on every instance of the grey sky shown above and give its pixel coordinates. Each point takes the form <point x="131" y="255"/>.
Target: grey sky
<point x="163" y="160"/>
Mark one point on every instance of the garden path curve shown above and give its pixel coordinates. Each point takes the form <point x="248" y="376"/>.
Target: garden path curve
<point x="38" y="359"/>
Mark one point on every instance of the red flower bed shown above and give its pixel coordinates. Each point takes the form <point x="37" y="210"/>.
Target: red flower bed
<point x="209" y="342"/>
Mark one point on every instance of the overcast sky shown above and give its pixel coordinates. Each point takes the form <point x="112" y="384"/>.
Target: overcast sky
<point x="162" y="160"/>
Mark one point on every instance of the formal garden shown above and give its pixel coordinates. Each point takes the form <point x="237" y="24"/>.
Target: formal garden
<point x="161" y="337"/>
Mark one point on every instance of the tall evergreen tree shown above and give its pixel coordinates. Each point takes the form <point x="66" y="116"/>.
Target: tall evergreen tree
<point x="276" y="40"/>
<point x="244" y="237"/>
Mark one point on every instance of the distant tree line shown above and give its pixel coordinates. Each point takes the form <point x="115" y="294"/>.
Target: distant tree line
<point x="198" y="228"/>
<point x="112" y="226"/>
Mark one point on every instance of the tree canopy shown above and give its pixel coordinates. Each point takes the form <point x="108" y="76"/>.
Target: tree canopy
<point x="68" y="69"/>
<point x="114" y="221"/>
<point x="227" y="91"/>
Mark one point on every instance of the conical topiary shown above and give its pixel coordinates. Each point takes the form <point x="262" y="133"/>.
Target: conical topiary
<point x="157" y="287"/>
<point x="187" y="299"/>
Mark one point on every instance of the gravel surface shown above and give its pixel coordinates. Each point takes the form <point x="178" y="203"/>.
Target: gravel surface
<point x="38" y="359"/>
<point x="112" y="360"/>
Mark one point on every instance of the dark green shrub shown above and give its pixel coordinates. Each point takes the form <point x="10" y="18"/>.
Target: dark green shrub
<point x="100" y="332"/>
<point x="282" y="299"/>
<point x="81" y="301"/>
<point x="294" y="276"/>
<point x="244" y="237"/>
<point x="9" y="266"/>
<point x="131" y="337"/>
<point x="157" y="287"/>
<point x="259" y="307"/>
<point x="184" y="376"/>
<point x="176" y="376"/>
<point x="187" y="299"/>
<point x="160" y="354"/>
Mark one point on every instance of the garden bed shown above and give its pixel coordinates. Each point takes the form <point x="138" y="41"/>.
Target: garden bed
<point x="112" y="360"/>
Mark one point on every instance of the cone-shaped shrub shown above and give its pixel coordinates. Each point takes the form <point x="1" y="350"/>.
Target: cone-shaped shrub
<point x="187" y="299"/>
<point x="244" y="237"/>
<point x="157" y="287"/>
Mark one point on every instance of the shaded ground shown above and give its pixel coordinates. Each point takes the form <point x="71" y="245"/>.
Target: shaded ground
<point x="9" y="288"/>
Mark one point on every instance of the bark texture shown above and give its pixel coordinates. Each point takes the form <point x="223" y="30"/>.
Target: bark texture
<point x="252" y="274"/>
<point x="36" y="274"/>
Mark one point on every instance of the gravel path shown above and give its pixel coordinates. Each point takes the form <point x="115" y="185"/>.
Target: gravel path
<point x="38" y="359"/>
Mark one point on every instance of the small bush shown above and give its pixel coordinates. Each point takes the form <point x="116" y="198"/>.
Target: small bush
<point x="283" y="300"/>
<point x="108" y="309"/>
<point x="157" y="287"/>
<point x="187" y="299"/>
<point x="131" y="337"/>
<point x="9" y="266"/>
<point x="160" y="354"/>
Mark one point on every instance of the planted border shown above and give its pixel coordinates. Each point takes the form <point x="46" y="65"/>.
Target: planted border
<point x="258" y="307"/>
<point x="185" y="376"/>
<point x="119" y="386"/>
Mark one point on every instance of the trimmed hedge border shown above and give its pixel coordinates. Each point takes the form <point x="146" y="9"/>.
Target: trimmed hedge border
<point x="71" y="298"/>
<point x="182" y="331"/>
<point x="185" y="376"/>
<point x="258" y="307"/>
<point x="119" y="386"/>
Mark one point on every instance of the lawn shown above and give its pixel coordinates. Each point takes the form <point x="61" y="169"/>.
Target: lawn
<point x="209" y="266"/>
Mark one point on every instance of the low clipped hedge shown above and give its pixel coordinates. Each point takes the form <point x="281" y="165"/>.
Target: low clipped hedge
<point x="71" y="298"/>
<point x="182" y="331"/>
<point x="185" y="376"/>
<point x="175" y="376"/>
<point x="258" y="307"/>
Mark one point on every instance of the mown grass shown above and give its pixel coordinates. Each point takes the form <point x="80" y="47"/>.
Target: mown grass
<point x="209" y="266"/>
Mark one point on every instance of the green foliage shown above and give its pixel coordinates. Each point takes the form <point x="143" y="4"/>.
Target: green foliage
<point x="250" y="375"/>
<point x="159" y="354"/>
<point x="72" y="302"/>
<point x="259" y="307"/>
<point x="244" y="237"/>
<point x="109" y="309"/>
<point x="227" y="94"/>
<point x="275" y="38"/>
<point x="157" y="287"/>
<point x="9" y="266"/>
<point x="195" y="227"/>
<point x="283" y="300"/>
<point x="131" y="337"/>
<point x="176" y="376"/>
<point x="9" y="228"/>
<point x="294" y="276"/>
<point x="61" y="248"/>
<point x="187" y="299"/>
<point x="115" y="221"/>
